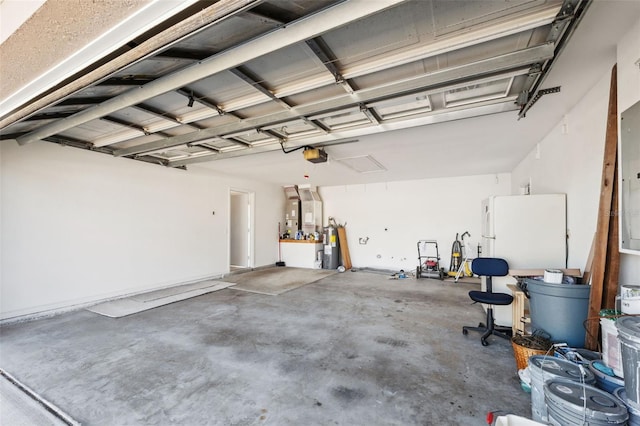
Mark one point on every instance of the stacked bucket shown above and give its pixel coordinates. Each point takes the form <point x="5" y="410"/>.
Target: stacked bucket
<point x="572" y="403"/>
<point x="611" y="353"/>
<point x="629" y="335"/>
<point x="564" y="393"/>
<point x="544" y="368"/>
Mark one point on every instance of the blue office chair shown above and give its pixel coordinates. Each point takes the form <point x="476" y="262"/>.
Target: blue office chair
<point x="489" y="267"/>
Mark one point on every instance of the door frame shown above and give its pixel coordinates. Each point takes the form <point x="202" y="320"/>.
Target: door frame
<point x="250" y="222"/>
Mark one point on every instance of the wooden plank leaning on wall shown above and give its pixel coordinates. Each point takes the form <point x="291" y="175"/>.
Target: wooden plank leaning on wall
<point x="606" y="257"/>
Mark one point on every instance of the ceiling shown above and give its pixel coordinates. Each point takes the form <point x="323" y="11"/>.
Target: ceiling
<point x="389" y="89"/>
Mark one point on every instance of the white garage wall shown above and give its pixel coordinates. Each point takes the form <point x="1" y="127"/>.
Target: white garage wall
<point x="79" y="226"/>
<point x="570" y="157"/>
<point x="395" y="215"/>
<point x="569" y="160"/>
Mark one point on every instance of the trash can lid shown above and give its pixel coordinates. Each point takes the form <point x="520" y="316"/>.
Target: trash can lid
<point x="629" y="325"/>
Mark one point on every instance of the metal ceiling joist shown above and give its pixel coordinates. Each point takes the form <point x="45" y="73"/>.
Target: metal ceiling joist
<point x="127" y="124"/>
<point x="243" y="74"/>
<point x="212" y="105"/>
<point x="80" y="101"/>
<point x="111" y="139"/>
<point x="76" y="143"/>
<point x="320" y="52"/>
<point x="318" y="47"/>
<point x="371" y="115"/>
<point x="441" y="78"/>
<point x="50" y="116"/>
<point x="83" y="100"/>
<point x="261" y="15"/>
<point x="303" y="29"/>
<point x="328" y="58"/>
<point x="188" y="93"/>
<point x="316" y="124"/>
<point x="207" y="147"/>
<point x="277" y="136"/>
<point x="216" y="13"/>
<point x="558" y="26"/>
<point x="532" y="76"/>
<point x="126" y="81"/>
<point x="339" y="138"/>
<point x="420" y="51"/>
<point x="155" y="160"/>
<point x="570" y="15"/>
<point x="254" y="82"/>
<point x="164" y="115"/>
<point x="182" y="54"/>
<point x="238" y="141"/>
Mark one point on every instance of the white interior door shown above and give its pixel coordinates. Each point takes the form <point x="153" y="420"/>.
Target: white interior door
<point x="239" y="229"/>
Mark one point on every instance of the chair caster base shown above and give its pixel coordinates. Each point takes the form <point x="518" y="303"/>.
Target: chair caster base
<point x="488" y="330"/>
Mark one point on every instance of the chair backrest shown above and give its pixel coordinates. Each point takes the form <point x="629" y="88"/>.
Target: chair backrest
<point x="490" y="267"/>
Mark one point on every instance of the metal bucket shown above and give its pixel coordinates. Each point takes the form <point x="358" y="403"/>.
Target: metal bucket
<point x="629" y="335"/>
<point x="630" y="299"/>
<point x="576" y="404"/>
<point x="604" y="381"/>
<point x="544" y="368"/>
<point x="611" y="353"/>
<point x="634" y="412"/>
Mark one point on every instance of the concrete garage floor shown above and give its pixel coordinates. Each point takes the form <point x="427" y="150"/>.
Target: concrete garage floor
<point x="351" y="349"/>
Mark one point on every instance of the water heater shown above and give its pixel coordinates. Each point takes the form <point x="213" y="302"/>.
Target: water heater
<point x="331" y="256"/>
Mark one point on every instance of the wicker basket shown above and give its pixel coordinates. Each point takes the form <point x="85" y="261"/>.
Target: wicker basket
<point x="522" y="354"/>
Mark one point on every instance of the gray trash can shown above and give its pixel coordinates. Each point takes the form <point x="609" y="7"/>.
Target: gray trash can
<point x="560" y="310"/>
<point x="629" y="334"/>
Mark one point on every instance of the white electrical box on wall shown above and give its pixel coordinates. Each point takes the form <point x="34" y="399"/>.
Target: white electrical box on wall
<point x="629" y="179"/>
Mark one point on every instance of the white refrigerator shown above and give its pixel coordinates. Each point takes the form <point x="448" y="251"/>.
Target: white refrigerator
<point x="529" y="232"/>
